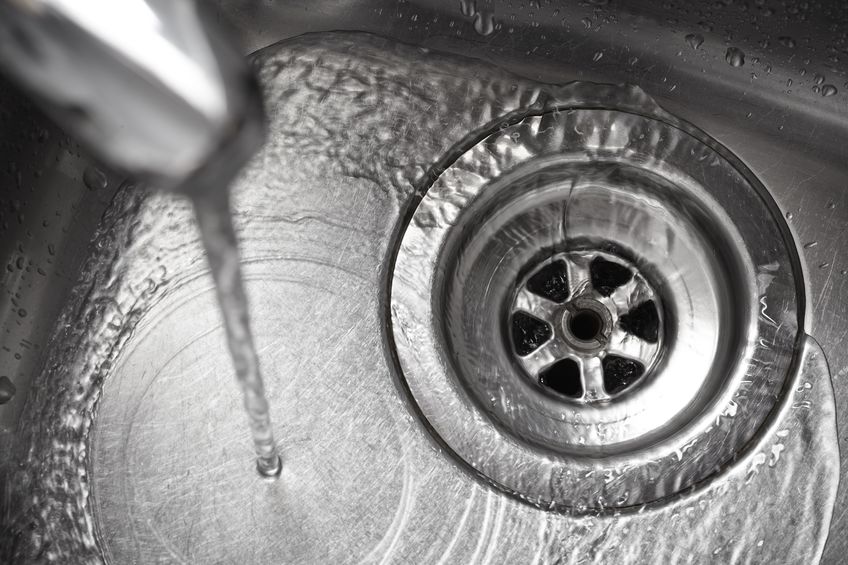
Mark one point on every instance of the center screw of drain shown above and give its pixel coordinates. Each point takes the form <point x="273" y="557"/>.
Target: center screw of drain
<point x="586" y="325"/>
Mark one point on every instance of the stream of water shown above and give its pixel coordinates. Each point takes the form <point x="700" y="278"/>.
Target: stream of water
<point x="212" y="208"/>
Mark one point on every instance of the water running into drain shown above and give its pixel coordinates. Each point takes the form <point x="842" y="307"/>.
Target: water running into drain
<point x="212" y="208"/>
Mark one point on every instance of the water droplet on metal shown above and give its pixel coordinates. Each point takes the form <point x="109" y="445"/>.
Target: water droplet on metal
<point x="828" y="90"/>
<point x="484" y="23"/>
<point x="7" y="390"/>
<point x="786" y="41"/>
<point x="694" y="40"/>
<point x="94" y="178"/>
<point x="468" y="7"/>
<point x="735" y="57"/>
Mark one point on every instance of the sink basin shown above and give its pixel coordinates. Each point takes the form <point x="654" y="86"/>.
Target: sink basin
<point x="120" y="410"/>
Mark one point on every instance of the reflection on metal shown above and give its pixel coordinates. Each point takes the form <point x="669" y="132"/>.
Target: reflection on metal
<point x="151" y="86"/>
<point x="592" y="325"/>
<point x="101" y="471"/>
<point x="689" y="217"/>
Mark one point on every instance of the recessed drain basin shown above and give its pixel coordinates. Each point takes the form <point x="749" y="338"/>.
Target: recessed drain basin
<point x="596" y="309"/>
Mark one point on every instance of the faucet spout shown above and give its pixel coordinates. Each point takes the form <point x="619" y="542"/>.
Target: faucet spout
<point x="153" y="87"/>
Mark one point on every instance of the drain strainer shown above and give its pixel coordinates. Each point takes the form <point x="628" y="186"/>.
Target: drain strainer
<point x="586" y="325"/>
<point x="596" y="309"/>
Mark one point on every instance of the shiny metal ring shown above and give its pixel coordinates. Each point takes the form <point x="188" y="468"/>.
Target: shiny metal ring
<point x="701" y="237"/>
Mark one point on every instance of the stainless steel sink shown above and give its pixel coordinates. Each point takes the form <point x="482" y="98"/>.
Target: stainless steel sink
<point x="376" y="468"/>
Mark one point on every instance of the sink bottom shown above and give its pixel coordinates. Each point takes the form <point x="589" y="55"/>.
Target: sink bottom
<point x="140" y="452"/>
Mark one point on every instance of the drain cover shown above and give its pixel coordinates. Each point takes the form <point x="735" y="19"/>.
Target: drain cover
<point x="596" y="309"/>
<point x="586" y="325"/>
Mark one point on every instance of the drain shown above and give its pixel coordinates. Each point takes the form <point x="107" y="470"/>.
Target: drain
<point x="581" y="306"/>
<point x="585" y="325"/>
<point x="594" y="308"/>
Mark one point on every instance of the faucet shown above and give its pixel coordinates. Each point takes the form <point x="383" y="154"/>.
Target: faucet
<point x="154" y="88"/>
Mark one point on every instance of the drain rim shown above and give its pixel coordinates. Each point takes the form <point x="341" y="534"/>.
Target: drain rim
<point x="458" y="423"/>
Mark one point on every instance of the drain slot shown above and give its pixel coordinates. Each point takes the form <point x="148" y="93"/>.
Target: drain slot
<point x="528" y="333"/>
<point x="620" y="373"/>
<point x="643" y="321"/>
<point x="563" y="377"/>
<point x="608" y="275"/>
<point x="551" y="282"/>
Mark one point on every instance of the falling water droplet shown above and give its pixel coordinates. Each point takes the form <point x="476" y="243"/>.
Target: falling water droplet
<point x="810" y="244"/>
<point x="694" y="40"/>
<point x="735" y="57"/>
<point x="598" y="56"/>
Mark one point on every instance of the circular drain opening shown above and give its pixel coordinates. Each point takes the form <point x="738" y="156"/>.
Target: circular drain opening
<point x="589" y="320"/>
<point x="585" y="325"/>
<point x="591" y="314"/>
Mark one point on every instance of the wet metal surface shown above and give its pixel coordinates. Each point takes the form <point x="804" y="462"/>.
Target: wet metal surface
<point x="585" y="179"/>
<point x="789" y="134"/>
<point x="171" y="474"/>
